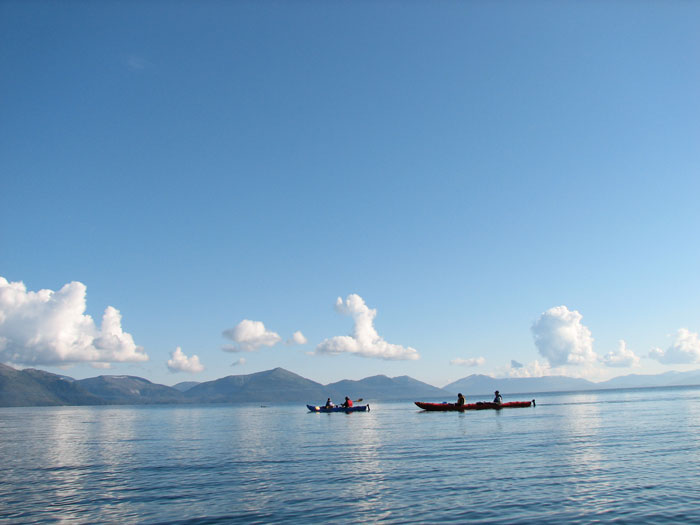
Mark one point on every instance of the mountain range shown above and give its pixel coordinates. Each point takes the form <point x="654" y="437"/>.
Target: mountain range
<point x="481" y="384"/>
<point x="30" y="387"/>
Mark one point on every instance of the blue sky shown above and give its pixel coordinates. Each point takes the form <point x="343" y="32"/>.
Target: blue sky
<point x="464" y="169"/>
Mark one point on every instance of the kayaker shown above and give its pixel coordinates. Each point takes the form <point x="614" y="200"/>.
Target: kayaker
<point x="498" y="399"/>
<point x="348" y="402"/>
<point x="329" y="403"/>
<point x="460" y="400"/>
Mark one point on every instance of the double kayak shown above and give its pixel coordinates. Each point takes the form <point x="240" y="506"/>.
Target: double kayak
<point x="357" y="408"/>
<point x="443" y="407"/>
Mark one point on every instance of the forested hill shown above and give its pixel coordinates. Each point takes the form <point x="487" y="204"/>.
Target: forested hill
<point x="31" y="387"/>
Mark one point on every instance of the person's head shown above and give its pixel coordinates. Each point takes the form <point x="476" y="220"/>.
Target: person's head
<point x="346" y="398"/>
<point x="496" y="392"/>
<point x="328" y="399"/>
<point x="460" y="395"/>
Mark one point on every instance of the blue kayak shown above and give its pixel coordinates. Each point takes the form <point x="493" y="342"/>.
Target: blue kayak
<point x="358" y="408"/>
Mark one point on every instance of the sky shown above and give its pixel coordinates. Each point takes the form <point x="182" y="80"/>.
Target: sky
<point x="191" y="190"/>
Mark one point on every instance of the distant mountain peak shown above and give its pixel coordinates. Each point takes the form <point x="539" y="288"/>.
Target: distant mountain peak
<point x="183" y="386"/>
<point x="123" y="378"/>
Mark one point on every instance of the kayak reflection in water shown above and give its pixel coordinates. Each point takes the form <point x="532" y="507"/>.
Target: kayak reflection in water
<point x="498" y="398"/>
<point x="460" y="400"/>
<point x="348" y="402"/>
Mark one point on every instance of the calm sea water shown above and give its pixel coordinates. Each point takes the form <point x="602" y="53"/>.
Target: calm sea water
<point x="622" y="456"/>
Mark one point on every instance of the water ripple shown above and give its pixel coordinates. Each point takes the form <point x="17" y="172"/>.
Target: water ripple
<point x="622" y="457"/>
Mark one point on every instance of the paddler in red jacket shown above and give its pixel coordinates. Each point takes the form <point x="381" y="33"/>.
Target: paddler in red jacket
<point x="348" y="402"/>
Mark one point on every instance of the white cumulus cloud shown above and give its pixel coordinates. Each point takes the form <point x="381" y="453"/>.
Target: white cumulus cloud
<point x="562" y="339"/>
<point x="684" y="350"/>
<point x="179" y="362"/>
<point x="249" y="336"/>
<point x="471" y="361"/>
<point x="297" y="339"/>
<point x="51" y="328"/>
<point x="622" y="357"/>
<point x="364" y="341"/>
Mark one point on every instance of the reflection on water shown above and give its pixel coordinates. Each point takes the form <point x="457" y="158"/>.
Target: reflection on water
<point x="582" y="449"/>
<point x="64" y="462"/>
<point x="362" y="465"/>
<point x="627" y="455"/>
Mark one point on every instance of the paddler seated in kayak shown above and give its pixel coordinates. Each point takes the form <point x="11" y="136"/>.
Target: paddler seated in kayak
<point x="348" y="402"/>
<point x="460" y="400"/>
<point x="498" y="399"/>
<point x="329" y="403"/>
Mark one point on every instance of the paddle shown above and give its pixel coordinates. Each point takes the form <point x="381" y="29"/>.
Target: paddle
<point x="357" y="400"/>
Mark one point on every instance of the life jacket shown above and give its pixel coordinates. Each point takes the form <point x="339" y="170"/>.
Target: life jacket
<point x="348" y="402"/>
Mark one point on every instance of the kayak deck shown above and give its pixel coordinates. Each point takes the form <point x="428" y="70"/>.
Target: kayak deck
<point x="443" y="407"/>
<point x="357" y="408"/>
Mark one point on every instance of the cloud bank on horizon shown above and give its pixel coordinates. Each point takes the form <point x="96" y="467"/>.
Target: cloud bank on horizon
<point x="534" y="369"/>
<point x="563" y="340"/>
<point x="622" y="357"/>
<point x="364" y="341"/>
<point x="684" y="350"/>
<point x="51" y="328"/>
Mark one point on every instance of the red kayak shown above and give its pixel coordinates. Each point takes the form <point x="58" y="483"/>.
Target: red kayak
<point x="442" y="407"/>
